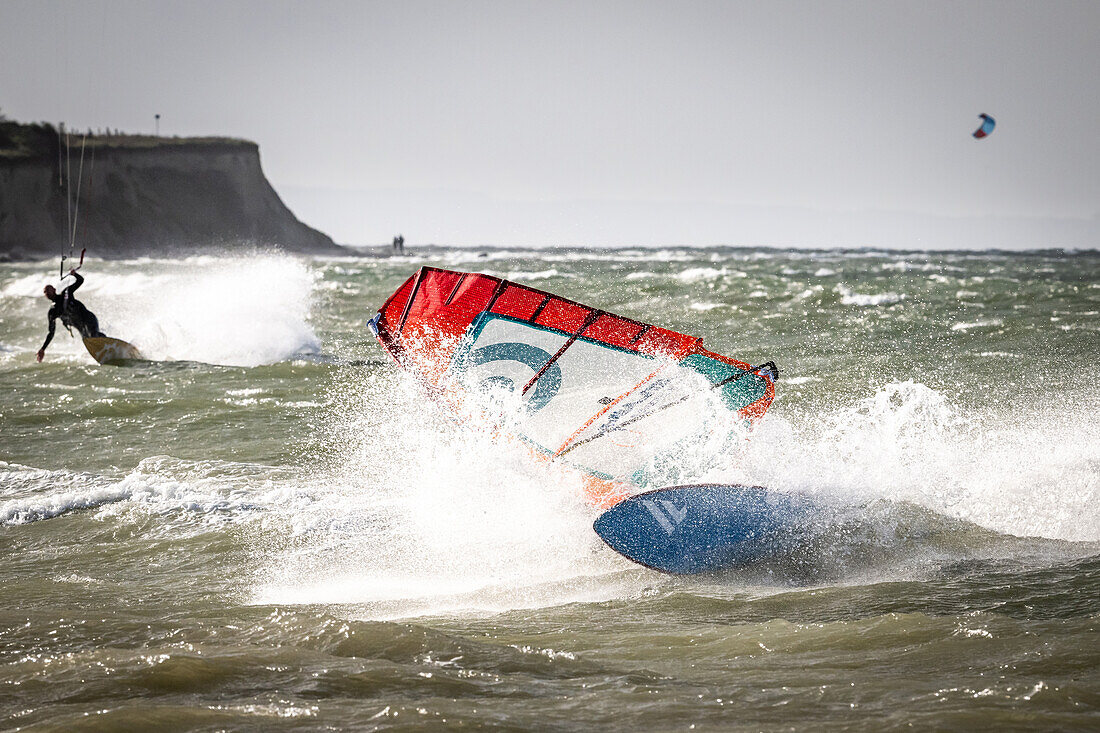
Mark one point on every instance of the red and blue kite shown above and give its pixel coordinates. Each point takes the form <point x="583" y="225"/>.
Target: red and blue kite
<point x="988" y="124"/>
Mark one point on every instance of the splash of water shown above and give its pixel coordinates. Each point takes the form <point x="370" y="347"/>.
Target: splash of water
<point x="1025" y="470"/>
<point x="427" y="514"/>
<point x="433" y="515"/>
<point x="243" y="310"/>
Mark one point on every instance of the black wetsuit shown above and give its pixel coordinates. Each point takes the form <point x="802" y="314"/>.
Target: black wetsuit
<point x="72" y="313"/>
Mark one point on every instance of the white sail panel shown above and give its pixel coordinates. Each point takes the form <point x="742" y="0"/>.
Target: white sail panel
<point x="604" y="409"/>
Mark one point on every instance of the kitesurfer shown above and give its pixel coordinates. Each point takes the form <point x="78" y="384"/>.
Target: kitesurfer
<point x="72" y="312"/>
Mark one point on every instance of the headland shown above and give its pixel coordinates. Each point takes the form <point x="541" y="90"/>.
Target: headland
<point x="135" y="195"/>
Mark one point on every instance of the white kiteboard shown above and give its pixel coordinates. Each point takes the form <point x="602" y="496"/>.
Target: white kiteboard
<point x="107" y="350"/>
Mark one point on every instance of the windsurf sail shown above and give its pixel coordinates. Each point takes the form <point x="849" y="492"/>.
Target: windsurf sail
<point x="617" y="398"/>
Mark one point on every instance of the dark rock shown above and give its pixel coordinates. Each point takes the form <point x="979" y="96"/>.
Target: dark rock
<point x="142" y="196"/>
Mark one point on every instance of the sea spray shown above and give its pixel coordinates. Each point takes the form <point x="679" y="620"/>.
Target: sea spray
<point x="243" y="310"/>
<point x="1025" y="469"/>
<point x="412" y="513"/>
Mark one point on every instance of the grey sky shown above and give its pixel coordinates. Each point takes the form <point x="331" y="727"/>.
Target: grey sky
<point x="613" y="123"/>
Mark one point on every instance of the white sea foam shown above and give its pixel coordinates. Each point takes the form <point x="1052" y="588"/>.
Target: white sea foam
<point x="27" y="286"/>
<point x="199" y="493"/>
<point x="1030" y="470"/>
<point x="807" y="293"/>
<point x="537" y="275"/>
<point x="848" y="297"/>
<point x="697" y="274"/>
<point x="436" y="531"/>
<point x="28" y="494"/>
<point x="465" y="256"/>
<point x="987" y="323"/>
<point x="55" y="504"/>
<point x="241" y="310"/>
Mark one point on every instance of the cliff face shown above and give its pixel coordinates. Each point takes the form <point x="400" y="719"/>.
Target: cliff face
<point x="148" y="199"/>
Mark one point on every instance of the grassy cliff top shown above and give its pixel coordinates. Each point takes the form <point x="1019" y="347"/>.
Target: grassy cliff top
<point x="40" y="140"/>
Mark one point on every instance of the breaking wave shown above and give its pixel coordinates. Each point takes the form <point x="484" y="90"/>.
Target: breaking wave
<point x="1027" y="471"/>
<point x="923" y="482"/>
<point x="239" y="311"/>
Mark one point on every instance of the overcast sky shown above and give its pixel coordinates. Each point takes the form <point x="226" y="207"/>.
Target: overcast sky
<point x="607" y="123"/>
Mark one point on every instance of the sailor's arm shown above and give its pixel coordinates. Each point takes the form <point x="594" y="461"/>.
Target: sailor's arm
<point x="79" y="280"/>
<point x="49" y="336"/>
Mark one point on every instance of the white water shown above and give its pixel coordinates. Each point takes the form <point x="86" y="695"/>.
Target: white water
<point x="1025" y="470"/>
<point x="427" y="516"/>
<point x="415" y="514"/>
<point x="461" y="521"/>
<point x="240" y="311"/>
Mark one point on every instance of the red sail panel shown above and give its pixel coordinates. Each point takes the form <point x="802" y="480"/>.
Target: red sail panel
<point x="427" y="316"/>
<point x="447" y="302"/>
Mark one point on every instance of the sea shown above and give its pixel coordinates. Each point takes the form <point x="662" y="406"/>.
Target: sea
<point x="267" y="526"/>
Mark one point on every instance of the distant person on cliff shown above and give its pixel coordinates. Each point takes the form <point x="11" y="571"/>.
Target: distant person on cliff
<point x="71" y="311"/>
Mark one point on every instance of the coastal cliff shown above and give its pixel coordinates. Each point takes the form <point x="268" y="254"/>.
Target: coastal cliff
<point x="141" y="196"/>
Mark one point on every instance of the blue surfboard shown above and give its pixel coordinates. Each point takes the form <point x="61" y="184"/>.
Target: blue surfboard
<point x="706" y="527"/>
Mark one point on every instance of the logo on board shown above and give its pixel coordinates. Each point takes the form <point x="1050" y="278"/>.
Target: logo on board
<point x="666" y="513"/>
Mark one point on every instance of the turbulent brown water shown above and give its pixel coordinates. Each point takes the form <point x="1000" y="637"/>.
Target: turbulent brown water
<point x="268" y="528"/>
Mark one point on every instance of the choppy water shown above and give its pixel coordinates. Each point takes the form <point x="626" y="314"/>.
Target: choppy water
<point x="268" y="529"/>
